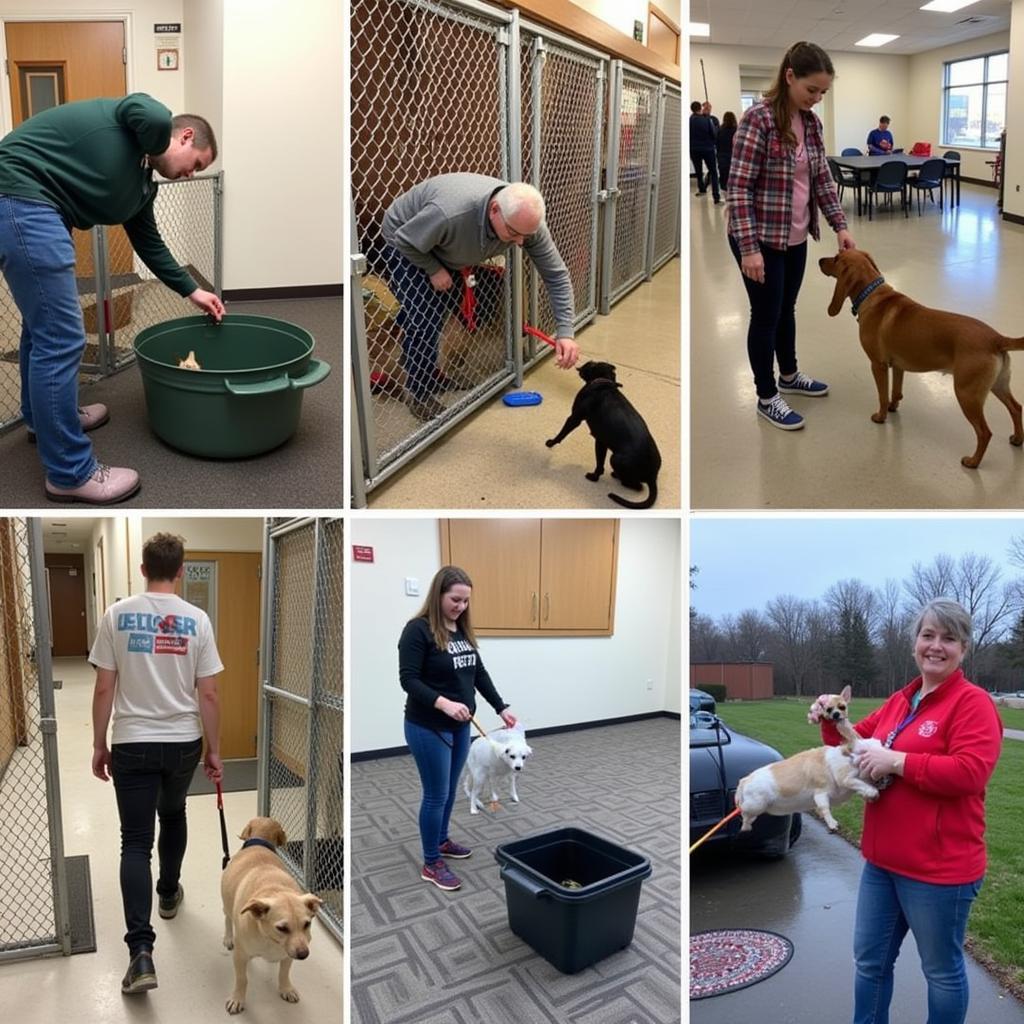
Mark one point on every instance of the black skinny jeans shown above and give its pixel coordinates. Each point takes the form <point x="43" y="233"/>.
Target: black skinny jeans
<point x="706" y="157"/>
<point x="150" y="779"/>
<point x="771" y="336"/>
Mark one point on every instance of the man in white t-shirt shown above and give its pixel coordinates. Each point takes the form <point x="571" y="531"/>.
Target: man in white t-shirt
<point x="156" y="667"/>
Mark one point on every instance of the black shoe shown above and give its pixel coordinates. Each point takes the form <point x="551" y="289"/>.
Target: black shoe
<point x="141" y="976"/>
<point x="425" y="409"/>
<point x="168" y="905"/>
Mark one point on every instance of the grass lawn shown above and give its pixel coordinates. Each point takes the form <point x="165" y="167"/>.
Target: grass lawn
<point x="996" y="926"/>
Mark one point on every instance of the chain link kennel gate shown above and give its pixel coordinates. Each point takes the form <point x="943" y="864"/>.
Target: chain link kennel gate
<point x="667" y="204"/>
<point x="34" y="916"/>
<point x="302" y="705"/>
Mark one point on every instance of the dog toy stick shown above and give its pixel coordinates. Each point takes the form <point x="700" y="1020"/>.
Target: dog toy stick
<point x="223" y="828"/>
<point x="540" y="335"/>
<point x="707" y="835"/>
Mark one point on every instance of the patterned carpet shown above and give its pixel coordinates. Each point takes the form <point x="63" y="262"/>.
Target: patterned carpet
<point x="423" y="956"/>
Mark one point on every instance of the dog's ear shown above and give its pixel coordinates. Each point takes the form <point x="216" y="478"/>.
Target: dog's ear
<point x="312" y="902"/>
<point x="246" y="832"/>
<point x="846" y="694"/>
<point x="839" y="295"/>
<point x="874" y="265"/>
<point x="258" y="908"/>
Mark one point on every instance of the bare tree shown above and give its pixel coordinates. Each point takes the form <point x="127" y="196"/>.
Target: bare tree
<point x="894" y="644"/>
<point x="748" y="635"/>
<point x="706" y="640"/>
<point x="787" y="616"/>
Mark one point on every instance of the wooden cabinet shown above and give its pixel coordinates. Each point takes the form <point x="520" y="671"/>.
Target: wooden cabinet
<point x="537" y="577"/>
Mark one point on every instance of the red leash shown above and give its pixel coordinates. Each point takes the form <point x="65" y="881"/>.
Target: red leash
<point x="540" y="335"/>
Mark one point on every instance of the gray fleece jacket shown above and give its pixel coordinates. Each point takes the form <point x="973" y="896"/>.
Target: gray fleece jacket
<point x="443" y="222"/>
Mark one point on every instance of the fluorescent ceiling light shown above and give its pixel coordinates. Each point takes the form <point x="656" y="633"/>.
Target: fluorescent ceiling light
<point x="947" y="6"/>
<point x="700" y="28"/>
<point x="877" y="39"/>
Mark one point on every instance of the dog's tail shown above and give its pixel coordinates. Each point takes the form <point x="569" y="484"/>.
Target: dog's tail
<point x="1011" y="344"/>
<point x="652" y="497"/>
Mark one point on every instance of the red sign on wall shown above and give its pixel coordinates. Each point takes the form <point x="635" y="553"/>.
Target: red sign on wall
<point x="362" y="553"/>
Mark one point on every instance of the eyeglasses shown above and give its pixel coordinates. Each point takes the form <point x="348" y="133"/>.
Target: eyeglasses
<point x="517" y="236"/>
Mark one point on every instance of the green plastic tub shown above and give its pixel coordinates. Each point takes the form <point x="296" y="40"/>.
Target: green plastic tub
<point x="247" y="397"/>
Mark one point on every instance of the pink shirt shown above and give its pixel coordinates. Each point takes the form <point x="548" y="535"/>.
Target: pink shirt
<point x="801" y="186"/>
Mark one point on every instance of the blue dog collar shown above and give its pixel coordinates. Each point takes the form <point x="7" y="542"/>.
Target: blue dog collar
<point x="858" y="302"/>
<point x="259" y="842"/>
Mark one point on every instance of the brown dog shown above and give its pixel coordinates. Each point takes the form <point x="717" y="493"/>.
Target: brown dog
<point x="265" y="914"/>
<point x="896" y="331"/>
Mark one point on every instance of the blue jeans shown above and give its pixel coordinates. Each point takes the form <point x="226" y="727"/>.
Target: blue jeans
<point x="37" y="258"/>
<point x="440" y="757"/>
<point x="422" y="316"/>
<point x="888" y="905"/>
<point x="150" y="779"/>
<point x="771" y="336"/>
<point x="706" y="158"/>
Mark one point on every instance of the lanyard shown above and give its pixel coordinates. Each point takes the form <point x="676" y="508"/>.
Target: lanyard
<point x="891" y="738"/>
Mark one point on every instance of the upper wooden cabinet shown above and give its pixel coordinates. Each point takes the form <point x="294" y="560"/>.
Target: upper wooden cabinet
<point x="537" y="577"/>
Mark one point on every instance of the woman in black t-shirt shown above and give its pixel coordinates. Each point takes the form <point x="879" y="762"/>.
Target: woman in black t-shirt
<point x="440" y="670"/>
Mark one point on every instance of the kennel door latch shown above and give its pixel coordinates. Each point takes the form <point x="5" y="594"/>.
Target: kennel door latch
<point x="48" y="726"/>
<point x="358" y="264"/>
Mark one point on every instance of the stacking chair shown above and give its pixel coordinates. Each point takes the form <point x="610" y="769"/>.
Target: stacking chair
<point x="947" y="171"/>
<point x="890" y="178"/>
<point x="929" y="177"/>
<point x="844" y="178"/>
<point x="851" y="151"/>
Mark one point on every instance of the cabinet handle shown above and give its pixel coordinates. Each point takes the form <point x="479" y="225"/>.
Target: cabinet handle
<point x="547" y="606"/>
<point x="533" y="606"/>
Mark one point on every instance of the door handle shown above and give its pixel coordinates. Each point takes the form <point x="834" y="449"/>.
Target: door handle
<point x="547" y="606"/>
<point x="533" y="607"/>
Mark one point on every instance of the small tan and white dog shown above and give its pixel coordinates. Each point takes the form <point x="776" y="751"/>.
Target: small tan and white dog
<point x="265" y="913"/>
<point x="816" y="779"/>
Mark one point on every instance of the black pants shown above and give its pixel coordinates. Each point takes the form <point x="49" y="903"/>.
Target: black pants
<point x="150" y="779"/>
<point x="724" y="161"/>
<point x="771" y="336"/>
<point x="700" y="157"/>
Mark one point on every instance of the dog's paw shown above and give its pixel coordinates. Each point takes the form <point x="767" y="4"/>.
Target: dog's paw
<point x="550" y="442"/>
<point x="234" y="1005"/>
<point x="593" y="476"/>
<point x="1017" y="440"/>
<point x="289" y="995"/>
<point x="970" y="462"/>
<point x="514" y="799"/>
<point x="229" y="942"/>
<point x="833" y="828"/>
<point x="473" y="810"/>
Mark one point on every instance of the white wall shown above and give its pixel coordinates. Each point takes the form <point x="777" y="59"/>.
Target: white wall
<point x="1013" y="172"/>
<point x="548" y="682"/>
<point x="203" y="23"/>
<point x="282" y="148"/>
<point x="225" y="533"/>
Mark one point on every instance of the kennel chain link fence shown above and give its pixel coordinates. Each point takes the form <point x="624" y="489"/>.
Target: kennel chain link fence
<point x="302" y="705"/>
<point x="119" y="295"/>
<point x="34" y="918"/>
<point x="666" y="209"/>
<point x="443" y="86"/>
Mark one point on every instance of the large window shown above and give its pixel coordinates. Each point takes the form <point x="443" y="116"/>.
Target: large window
<point x="974" y="101"/>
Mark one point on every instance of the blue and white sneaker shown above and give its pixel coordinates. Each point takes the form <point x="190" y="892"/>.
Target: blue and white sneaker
<point x="779" y="414"/>
<point x="801" y="384"/>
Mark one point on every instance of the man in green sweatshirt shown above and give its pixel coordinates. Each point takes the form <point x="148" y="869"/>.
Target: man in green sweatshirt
<point x="78" y="165"/>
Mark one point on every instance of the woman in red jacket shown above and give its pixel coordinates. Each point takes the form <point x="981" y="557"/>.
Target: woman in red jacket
<point x="924" y="837"/>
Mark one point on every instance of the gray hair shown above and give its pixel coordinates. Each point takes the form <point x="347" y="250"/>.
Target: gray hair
<point x="951" y="616"/>
<point x="518" y="197"/>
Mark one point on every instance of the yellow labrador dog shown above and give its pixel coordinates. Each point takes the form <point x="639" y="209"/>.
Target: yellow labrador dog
<point x="265" y="914"/>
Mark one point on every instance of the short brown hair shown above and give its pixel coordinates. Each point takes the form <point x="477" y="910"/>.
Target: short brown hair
<point x="203" y="137"/>
<point x="163" y="555"/>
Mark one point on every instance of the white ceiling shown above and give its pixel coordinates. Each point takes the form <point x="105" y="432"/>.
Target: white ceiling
<point x="836" y="25"/>
<point x="67" y="534"/>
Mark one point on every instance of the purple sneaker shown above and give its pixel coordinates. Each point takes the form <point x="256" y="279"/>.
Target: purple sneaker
<point x="454" y="850"/>
<point x="439" y="873"/>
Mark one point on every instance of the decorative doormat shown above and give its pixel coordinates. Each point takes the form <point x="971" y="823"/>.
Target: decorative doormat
<point x="730" y="959"/>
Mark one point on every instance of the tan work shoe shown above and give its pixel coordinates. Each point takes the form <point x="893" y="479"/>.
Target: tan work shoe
<point x="90" y="416"/>
<point x="107" y="486"/>
<point x="425" y="409"/>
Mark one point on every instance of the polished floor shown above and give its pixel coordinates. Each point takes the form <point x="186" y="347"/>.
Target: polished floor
<point x="966" y="259"/>
<point x="497" y="459"/>
<point x="194" y="970"/>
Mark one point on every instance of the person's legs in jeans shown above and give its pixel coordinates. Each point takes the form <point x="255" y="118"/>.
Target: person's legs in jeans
<point x="772" y="331"/>
<point x="937" y="915"/>
<point x="37" y="257"/>
<point x="712" y="162"/>
<point x="459" y="753"/>
<point x="423" y="312"/>
<point x="878" y="933"/>
<point x="432" y="752"/>
<point x="179" y="765"/>
<point x="697" y="162"/>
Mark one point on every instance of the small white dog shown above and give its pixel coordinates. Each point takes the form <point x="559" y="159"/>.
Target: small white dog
<point x="502" y="753"/>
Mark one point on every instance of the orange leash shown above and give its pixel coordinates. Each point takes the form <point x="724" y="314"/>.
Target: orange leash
<point x="707" y="835"/>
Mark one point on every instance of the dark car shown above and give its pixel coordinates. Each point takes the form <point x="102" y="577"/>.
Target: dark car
<point x="719" y="758"/>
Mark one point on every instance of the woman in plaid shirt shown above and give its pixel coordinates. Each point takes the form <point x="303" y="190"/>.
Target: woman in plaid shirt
<point x="778" y="180"/>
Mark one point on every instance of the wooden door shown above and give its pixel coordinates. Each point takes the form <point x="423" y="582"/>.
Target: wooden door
<point x="502" y="557"/>
<point x="578" y="573"/>
<point x="54" y="62"/>
<point x="67" y="605"/>
<point x="236" y="617"/>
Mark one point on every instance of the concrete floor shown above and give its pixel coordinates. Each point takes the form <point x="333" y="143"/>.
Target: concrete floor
<point x="809" y="896"/>
<point x="496" y="458"/>
<point x="194" y="970"/>
<point x="966" y="259"/>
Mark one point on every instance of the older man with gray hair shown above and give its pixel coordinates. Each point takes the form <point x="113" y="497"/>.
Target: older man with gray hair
<point x="448" y="223"/>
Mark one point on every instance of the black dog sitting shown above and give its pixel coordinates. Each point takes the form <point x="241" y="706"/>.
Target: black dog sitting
<point x="615" y="425"/>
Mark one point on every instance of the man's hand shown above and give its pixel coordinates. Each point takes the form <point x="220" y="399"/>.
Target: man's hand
<point x="213" y="767"/>
<point x="566" y="353"/>
<point x="101" y="763"/>
<point x="208" y="303"/>
<point x="441" y="280"/>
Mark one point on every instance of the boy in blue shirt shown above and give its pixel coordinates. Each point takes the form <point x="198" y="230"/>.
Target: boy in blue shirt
<point x="880" y="141"/>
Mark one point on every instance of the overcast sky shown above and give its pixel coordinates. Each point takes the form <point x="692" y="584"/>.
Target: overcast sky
<point x="744" y="563"/>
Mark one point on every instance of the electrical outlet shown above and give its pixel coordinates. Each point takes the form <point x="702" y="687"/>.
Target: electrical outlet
<point x="412" y="586"/>
<point x="650" y="684"/>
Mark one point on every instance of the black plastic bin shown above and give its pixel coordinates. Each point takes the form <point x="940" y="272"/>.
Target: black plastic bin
<point x="572" y="927"/>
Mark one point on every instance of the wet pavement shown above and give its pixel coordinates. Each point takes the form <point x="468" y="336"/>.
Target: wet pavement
<point x="809" y="896"/>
